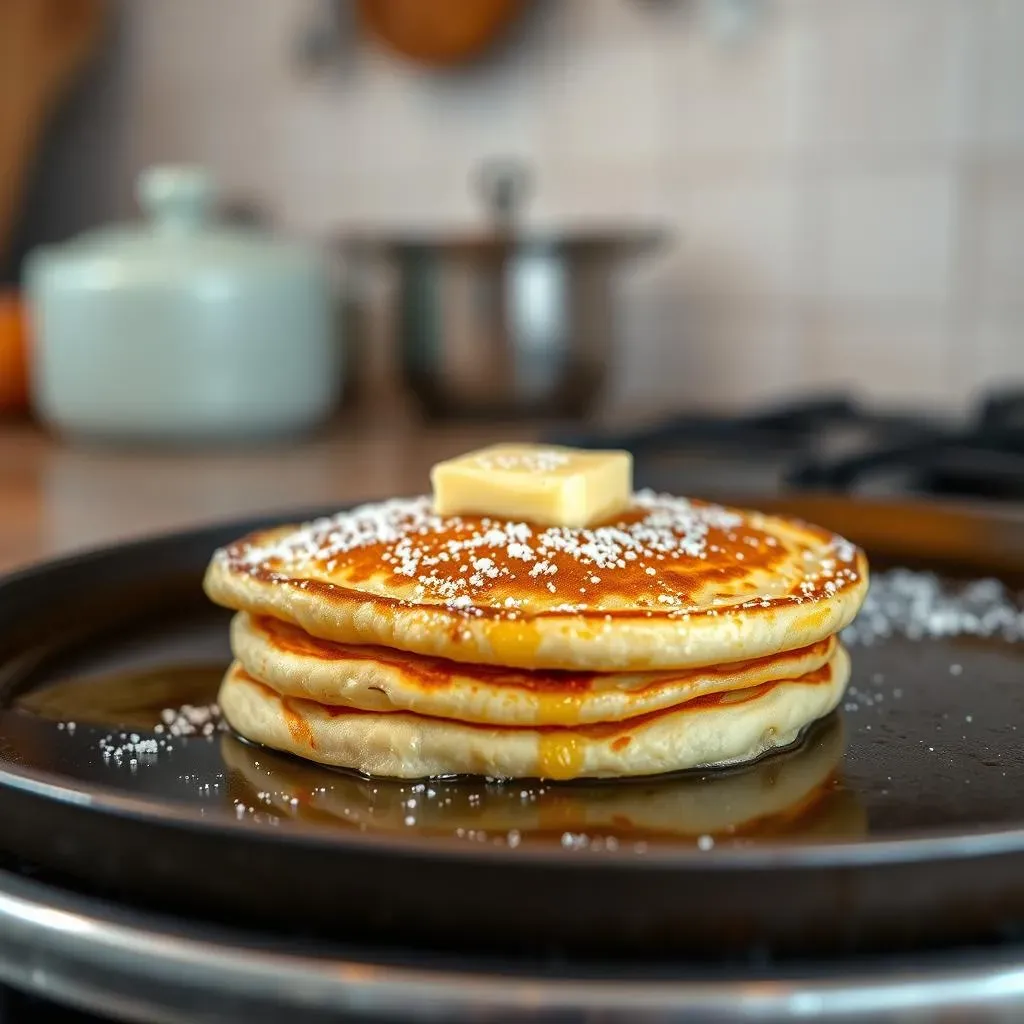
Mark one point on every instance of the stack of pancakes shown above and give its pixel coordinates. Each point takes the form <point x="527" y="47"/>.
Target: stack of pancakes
<point x="401" y="643"/>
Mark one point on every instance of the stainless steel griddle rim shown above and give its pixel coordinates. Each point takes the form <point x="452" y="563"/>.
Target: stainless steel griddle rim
<point x="75" y="949"/>
<point x="174" y="548"/>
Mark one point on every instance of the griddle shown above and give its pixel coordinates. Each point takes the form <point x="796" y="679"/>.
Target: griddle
<point x="134" y="965"/>
<point x="937" y="859"/>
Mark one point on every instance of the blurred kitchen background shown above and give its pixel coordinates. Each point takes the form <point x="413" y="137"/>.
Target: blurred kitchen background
<point x="729" y="205"/>
<point x="843" y="180"/>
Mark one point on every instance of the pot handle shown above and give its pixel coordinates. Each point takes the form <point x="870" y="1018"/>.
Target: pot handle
<point x="504" y="185"/>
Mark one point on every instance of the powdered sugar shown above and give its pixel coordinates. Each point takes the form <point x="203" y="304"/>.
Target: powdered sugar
<point x="918" y="605"/>
<point x="190" y="720"/>
<point x="134" y="749"/>
<point x="130" y="748"/>
<point x="542" y="460"/>
<point x="467" y="564"/>
<point x="671" y="526"/>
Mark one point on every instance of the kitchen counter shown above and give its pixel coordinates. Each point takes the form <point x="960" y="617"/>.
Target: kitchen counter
<point x="57" y="498"/>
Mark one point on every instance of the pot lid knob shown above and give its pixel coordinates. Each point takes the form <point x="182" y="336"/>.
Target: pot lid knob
<point x="176" y="198"/>
<point x="504" y="185"/>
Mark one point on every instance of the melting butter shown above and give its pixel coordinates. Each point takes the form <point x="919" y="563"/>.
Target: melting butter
<point x="547" y="485"/>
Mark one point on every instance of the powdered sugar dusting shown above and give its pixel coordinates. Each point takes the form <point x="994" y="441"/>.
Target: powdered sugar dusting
<point x="542" y="460"/>
<point x="457" y="561"/>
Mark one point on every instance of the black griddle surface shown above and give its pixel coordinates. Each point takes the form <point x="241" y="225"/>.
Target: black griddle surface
<point x="898" y="821"/>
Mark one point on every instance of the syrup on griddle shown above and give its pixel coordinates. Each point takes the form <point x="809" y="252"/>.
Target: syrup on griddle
<point x="132" y="699"/>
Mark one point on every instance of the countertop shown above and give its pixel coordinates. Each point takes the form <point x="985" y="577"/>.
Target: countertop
<point x="56" y="498"/>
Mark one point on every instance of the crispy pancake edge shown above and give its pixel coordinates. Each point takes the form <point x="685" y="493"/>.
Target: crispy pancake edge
<point x="373" y="678"/>
<point x="333" y="605"/>
<point x="401" y="745"/>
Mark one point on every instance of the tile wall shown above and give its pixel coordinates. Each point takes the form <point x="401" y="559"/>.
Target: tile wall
<point x="845" y="178"/>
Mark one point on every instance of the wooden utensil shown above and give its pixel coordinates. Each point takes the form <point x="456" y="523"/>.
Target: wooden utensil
<point x="43" y="44"/>
<point x="438" y="32"/>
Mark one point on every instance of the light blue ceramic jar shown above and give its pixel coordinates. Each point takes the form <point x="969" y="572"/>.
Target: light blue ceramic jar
<point x="182" y="328"/>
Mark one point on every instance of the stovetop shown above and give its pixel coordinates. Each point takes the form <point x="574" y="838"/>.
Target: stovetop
<point x="832" y="443"/>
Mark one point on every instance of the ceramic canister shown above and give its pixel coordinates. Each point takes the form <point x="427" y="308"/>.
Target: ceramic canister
<point x="181" y="327"/>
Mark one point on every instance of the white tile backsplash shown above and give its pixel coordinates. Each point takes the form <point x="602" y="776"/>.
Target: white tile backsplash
<point x="891" y="356"/>
<point x="736" y="356"/>
<point x="845" y="184"/>
<point x="738" y="102"/>
<point x="739" y="237"/>
<point x="998" y="205"/>
<point x="379" y="128"/>
<point x="603" y="105"/>
<point x="887" y="74"/>
<point x="997" y="346"/>
<point x="1001" y="114"/>
<point x="888" y="236"/>
<point x="586" y="21"/>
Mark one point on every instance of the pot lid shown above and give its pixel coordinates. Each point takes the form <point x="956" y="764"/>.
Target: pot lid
<point x="499" y="243"/>
<point x="180" y="235"/>
<point x="503" y="185"/>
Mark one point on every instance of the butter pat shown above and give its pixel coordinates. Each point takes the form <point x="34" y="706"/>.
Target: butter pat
<point x="541" y="484"/>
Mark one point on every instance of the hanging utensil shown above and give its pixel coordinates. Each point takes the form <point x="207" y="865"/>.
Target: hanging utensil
<point x="43" y="45"/>
<point x="438" y="32"/>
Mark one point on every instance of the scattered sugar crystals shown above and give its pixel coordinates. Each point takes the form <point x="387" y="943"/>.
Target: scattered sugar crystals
<point x="920" y="605"/>
<point x="593" y="843"/>
<point x="133" y="749"/>
<point x="575" y="840"/>
<point x="129" y="748"/>
<point x="273" y="805"/>
<point x="190" y="720"/>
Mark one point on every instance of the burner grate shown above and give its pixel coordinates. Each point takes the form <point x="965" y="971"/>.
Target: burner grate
<point x="831" y="443"/>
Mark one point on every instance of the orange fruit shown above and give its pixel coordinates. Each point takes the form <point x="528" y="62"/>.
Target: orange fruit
<point x="13" y="354"/>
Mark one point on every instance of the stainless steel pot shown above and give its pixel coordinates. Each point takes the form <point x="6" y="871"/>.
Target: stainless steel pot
<point x="507" y="323"/>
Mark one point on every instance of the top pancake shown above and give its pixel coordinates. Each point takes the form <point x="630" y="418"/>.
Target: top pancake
<point x="671" y="584"/>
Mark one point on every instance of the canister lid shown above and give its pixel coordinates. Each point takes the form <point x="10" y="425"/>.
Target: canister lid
<point x="181" y="242"/>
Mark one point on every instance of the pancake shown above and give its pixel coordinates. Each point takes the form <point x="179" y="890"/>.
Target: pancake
<point x="710" y="731"/>
<point x="373" y="678"/>
<point x="792" y="794"/>
<point x="671" y="584"/>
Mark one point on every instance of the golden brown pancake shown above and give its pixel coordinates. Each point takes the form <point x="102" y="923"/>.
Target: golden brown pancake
<point x="372" y="678"/>
<point x="713" y="730"/>
<point x="671" y="584"/>
<point x="790" y="795"/>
